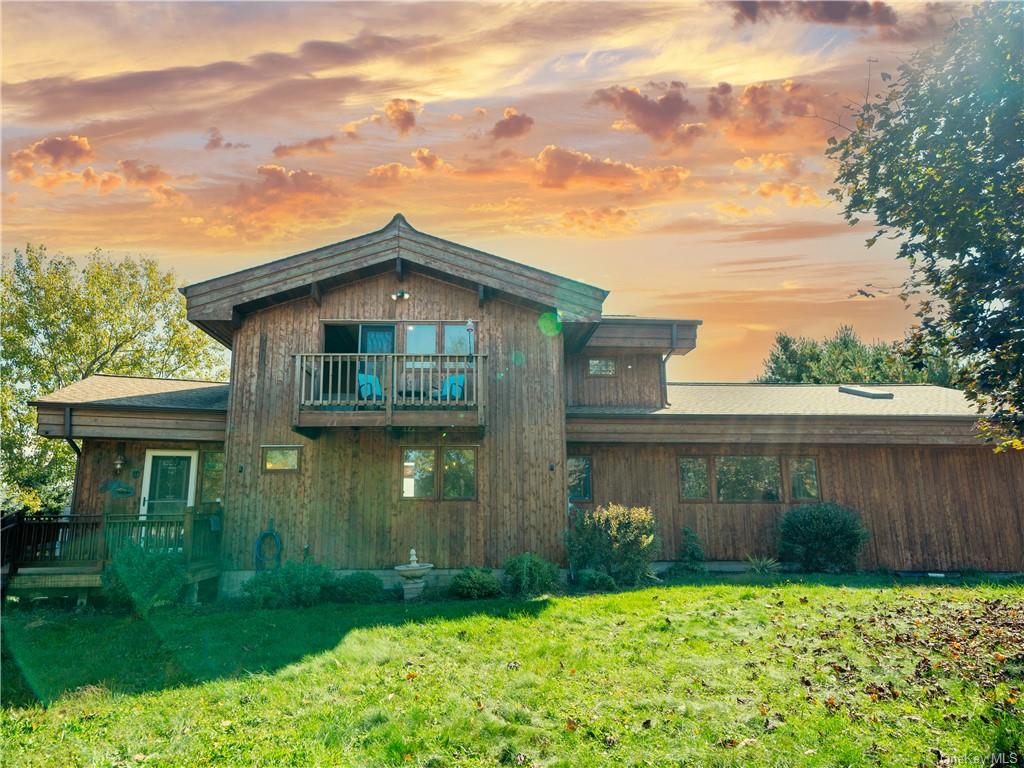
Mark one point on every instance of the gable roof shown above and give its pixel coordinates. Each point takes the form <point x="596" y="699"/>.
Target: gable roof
<point x="800" y="400"/>
<point x="214" y="305"/>
<point x="135" y="392"/>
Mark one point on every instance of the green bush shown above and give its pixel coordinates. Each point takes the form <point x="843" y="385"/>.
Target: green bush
<point x="293" y="584"/>
<point x="144" y="580"/>
<point x="822" y="537"/>
<point x="475" y="583"/>
<point x="358" y="587"/>
<point x="529" y="574"/>
<point x="619" y="540"/>
<point x="690" y="557"/>
<point x="590" y="580"/>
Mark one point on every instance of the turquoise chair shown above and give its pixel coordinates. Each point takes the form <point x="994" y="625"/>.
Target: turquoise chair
<point x="453" y="387"/>
<point x="368" y="387"/>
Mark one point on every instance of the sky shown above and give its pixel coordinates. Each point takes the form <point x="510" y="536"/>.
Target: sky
<point x="672" y="154"/>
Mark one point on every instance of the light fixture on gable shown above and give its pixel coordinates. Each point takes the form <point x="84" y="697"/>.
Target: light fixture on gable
<point x="400" y="295"/>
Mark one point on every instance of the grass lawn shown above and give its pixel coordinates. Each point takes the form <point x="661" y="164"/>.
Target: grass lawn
<point x="823" y="673"/>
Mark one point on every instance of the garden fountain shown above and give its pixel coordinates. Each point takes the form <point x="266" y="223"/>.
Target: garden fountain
<point x="412" y="574"/>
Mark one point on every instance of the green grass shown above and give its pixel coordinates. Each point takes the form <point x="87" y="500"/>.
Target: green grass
<point x="815" y="673"/>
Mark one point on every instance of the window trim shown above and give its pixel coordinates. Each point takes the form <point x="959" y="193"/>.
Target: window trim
<point x="613" y="375"/>
<point x="263" y="460"/>
<point x="590" y="461"/>
<point x="438" y="494"/>
<point x="709" y="468"/>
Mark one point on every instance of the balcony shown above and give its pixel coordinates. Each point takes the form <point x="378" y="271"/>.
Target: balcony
<point x="380" y="390"/>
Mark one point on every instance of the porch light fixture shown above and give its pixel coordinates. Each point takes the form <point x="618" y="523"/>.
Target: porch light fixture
<point x="400" y="295"/>
<point x="470" y="327"/>
<point x="119" y="459"/>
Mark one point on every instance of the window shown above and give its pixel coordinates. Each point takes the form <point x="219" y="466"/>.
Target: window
<point x="457" y="471"/>
<point x="600" y="366"/>
<point x="281" y="458"/>
<point x="213" y="477"/>
<point x="578" y="472"/>
<point x="748" y="478"/>
<point x="458" y="340"/>
<point x="693" y="478"/>
<point x="421" y="339"/>
<point x="803" y="479"/>
<point x="418" y="469"/>
<point x="458" y="475"/>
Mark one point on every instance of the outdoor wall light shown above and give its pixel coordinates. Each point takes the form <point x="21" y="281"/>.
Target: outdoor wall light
<point x="119" y="459"/>
<point x="400" y="295"/>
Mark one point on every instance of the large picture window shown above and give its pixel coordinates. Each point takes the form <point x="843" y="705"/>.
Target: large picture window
<point x="578" y="469"/>
<point x="748" y="478"/>
<point x="425" y="477"/>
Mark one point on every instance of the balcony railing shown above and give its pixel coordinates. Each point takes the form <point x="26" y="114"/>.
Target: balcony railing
<point x="340" y="389"/>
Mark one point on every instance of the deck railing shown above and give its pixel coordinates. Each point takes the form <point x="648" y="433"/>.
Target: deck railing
<point x="78" y="540"/>
<point x="366" y="381"/>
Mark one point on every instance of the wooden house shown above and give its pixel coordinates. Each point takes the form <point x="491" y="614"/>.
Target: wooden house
<point x="397" y="390"/>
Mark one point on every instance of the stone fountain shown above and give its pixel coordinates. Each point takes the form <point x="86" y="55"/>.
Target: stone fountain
<point x="413" y="574"/>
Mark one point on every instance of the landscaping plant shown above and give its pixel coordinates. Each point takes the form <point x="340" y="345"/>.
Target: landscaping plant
<point x="822" y="537"/>
<point x="291" y="585"/>
<point x="620" y="540"/>
<point x="690" y="558"/>
<point x="358" y="587"/>
<point x="590" y="580"/>
<point x="475" y="584"/>
<point x="529" y="574"/>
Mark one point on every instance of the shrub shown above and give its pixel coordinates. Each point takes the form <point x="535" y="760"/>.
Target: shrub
<point x="590" y="580"/>
<point x="616" y="539"/>
<point x="144" y="580"/>
<point x="529" y="574"/>
<point x="690" y="558"/>
<point x="293" y="584"/>
<point x="822" y="537"/>
<point x="358" y="587"/>
<point x="475" y="583"/>
<point x="762" y="566"/>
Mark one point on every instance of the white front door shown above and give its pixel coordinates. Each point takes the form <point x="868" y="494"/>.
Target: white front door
<point x="168" y="482"/>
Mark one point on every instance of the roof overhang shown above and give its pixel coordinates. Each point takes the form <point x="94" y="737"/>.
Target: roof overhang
<point x="630" y="335"/>
<point x="218" y="305"/>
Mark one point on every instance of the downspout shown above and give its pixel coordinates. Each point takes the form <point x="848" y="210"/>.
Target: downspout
<point x="664" y="362"/>
<point x="68" y="437"/>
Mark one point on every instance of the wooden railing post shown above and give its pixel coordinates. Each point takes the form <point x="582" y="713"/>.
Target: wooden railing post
<point x="188" y="534"/>
<point x="297" y="392"/>
<point x="390" y="377"/>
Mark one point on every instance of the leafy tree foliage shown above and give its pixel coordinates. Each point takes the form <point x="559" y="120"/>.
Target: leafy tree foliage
<point x="62" y="322"/>
<point x="844" y="358"/>
<point x="938" y="161"/>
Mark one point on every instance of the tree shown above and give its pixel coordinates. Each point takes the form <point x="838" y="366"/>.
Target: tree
<point x="61" y="323"/>
<point x="938" y="160"/>
<point x="844" y="359"/>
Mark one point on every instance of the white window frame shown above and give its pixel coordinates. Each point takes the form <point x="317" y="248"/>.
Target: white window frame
<point x="193" y="473"/>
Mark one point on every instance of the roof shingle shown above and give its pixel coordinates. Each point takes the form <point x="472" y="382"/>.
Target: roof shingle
<point x="103" y="390"/>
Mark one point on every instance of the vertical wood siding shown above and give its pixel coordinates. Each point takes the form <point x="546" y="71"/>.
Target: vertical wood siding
<point x="637" y="380"/>
<point x="938" y="508"/>
<point x="97" y="466"/>
<point x="344" y="503"/>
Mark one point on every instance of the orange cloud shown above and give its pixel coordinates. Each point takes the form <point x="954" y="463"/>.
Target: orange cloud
<point x="659" y="118"/>
<point x="106" y="182"/>
<point x="316" y="146"/>
<point x="56" y="152"/>
<point x="557" y="167"/>
<point x="794" y="194"/>
<point x="215" y="140"/>
<point x="513" y="125"/>
<point x="394" y="174"/>
<point x="786" y="162"/>
<point x="138" y="175"/>
<point x="599" y="221"/>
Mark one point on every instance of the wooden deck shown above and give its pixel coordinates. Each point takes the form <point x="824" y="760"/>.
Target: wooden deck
<point x="70" y="552"/>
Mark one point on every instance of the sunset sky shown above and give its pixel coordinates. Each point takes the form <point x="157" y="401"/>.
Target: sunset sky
<point x="668" y="153"/>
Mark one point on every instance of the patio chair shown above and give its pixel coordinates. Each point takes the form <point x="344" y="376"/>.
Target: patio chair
<point x="368" y="387"/>
<point x="452" y="388"/>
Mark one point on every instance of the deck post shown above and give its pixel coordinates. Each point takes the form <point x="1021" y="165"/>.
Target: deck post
<point x="297" y="391"/>
<point x="389" y="395"/>
<point x="188" y="531"/>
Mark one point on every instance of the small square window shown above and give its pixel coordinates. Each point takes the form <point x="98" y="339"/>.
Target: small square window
<point x="578" y="472"/>
<point x="803" y="479"/>
<point x="600" y="366"/>
<point x="693" y="478"/>
<point x="418" y="471"/>
<point x="282" y="458"/>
